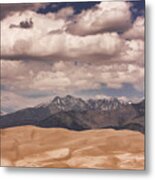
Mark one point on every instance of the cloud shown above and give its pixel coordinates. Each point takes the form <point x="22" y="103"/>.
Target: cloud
<point x="51" y="41"/>
<point x="65" y="53"/>
<point x="133" y="51"/>
<point x="12" y="101"/>
<point x="66" y="77"/>
<point x="20" y="41"/>
<point x="10" y="9"/>
<point x="136" y="31"/>
<point x="106" y="16"/>
<point x="65" y="12"/>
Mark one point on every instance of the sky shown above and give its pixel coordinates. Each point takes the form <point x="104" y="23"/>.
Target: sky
<point x="85" y="49"/>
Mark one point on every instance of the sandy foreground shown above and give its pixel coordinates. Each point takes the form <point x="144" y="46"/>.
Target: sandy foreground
<point x="30" y="146"/>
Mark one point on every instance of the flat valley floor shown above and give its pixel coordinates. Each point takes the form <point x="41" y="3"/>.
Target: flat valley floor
<point x="30" y="146"/>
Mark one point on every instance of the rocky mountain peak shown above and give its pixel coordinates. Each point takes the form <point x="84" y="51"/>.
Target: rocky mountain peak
<point x="69" y="102"/>
<point x="56" y="99"/>
<point x="78" y="114"/>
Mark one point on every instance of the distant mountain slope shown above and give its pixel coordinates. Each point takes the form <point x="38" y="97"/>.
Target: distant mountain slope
<point x="77" y="114"/>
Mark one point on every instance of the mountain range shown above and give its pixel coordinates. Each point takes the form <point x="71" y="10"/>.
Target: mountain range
<point x="78" y="114"/>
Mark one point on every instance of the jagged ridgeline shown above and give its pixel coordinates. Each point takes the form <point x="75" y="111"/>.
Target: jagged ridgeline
<point x="77" y="114"/>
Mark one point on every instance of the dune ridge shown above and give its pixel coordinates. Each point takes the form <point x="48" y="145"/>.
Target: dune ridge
<point x="30" y="146"/>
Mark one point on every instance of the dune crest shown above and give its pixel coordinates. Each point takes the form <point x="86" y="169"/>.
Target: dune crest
<point x="31" y="146"/>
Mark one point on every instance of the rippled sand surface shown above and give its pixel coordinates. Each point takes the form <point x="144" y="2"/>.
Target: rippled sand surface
<point x="30" y="146"/>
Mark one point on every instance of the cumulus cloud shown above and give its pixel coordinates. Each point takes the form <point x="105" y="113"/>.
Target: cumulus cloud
<point x="49" y="42"/>
<point x="64" y="53"/>
<point x="106" y="16"/>
<point x="65" y="12"/>
<point x="133" y="51"/>
<point x="10" y="9"/>
<point x="136" y="31"/>
<point x="20" y="41"/>
<point x="65" y="77"/>
<point x="52" y="42"/>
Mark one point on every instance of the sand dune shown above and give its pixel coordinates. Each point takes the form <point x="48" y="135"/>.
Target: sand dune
<point x="55" y="147"/>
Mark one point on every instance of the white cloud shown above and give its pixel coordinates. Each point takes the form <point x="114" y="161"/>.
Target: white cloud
<point x="65" y="12"/>
<point x="105" y="16"/>
<point x="66" y="77"/>
<point x="51" y="41"/>
<point x="136" y="31"/>
<point x="133" y="51"/>
<point x="18" y="41"/>
<point x="60" y="57"/>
